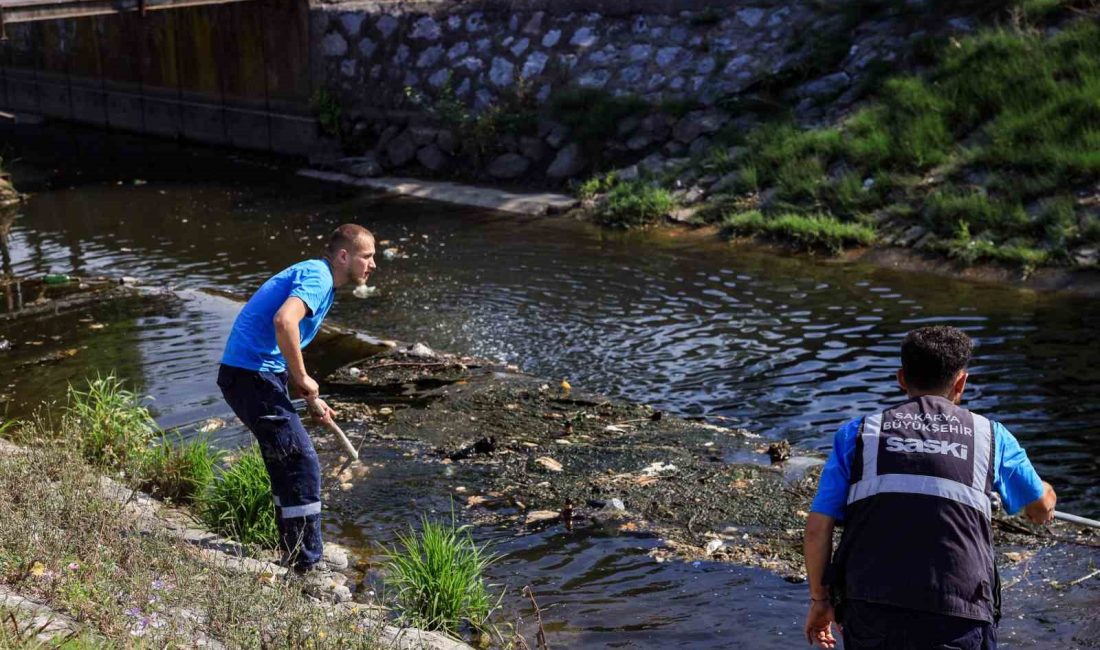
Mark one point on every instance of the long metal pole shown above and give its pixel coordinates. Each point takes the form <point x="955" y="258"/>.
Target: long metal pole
<point x="1074" y="519"/>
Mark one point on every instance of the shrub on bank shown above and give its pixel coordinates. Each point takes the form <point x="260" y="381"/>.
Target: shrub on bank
<point x="238" y="503"/>
<point x="178" y="470"/>
<point x="634" y="204"/>
<point x="438" y="573"/>
<point x="113" y="427"/>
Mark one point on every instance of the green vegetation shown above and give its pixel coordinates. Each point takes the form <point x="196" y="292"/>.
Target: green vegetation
<point x="327" y="108"/>
<point x="64" y="544"/>
<point x="478" y="133"/>
<point x="810" y="232"/>
<point x="1008" y="105"/>
<point x="438" y="573"/>
<point x="634" y="204"/>
<point x="113" y="431"/>
<point x="238" y="503"/>
<point x="178" y="470"/>
<point x="114" y="428"/>
<point x="598" y="184"/>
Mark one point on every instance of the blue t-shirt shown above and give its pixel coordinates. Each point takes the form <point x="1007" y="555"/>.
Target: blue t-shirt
<point x="1013" y="476"/>
<point x="252" y="343"/>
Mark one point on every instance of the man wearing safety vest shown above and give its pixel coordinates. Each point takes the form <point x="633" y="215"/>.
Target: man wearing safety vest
<point x="913" y="484"/>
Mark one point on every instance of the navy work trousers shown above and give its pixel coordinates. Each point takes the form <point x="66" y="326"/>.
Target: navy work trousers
<point x="871" y="626"/>
<point x="261" y="401"/>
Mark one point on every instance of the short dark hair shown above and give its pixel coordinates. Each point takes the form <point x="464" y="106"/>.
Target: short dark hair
<point x="346" y="236"/>
<point x="932" y="356"/>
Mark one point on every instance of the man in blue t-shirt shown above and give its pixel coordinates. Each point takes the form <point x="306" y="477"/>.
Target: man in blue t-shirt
<point x="263" y="362"/>
<point x="912" y="485"/>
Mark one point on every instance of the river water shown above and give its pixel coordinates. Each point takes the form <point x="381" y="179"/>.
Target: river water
<point x="788" y="347"/>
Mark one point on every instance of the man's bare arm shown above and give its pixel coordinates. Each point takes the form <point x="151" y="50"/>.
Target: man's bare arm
<point x="818" y="549"/>
<point x="1041" y="510"/>
<point x="289" y="339"/>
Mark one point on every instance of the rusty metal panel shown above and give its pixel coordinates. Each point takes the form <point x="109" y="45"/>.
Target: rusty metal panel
<point x="159" y="74"/>
<point x="24" y="43"/>
<point x="199" y="71"/>
<point x="121" y="57"/>
<point x="89" y="102"/>
<point x="243" y="78"/>
<point x="286" y="33"/>
<point x="52" y="79"/>
<point x="201" y="114"/>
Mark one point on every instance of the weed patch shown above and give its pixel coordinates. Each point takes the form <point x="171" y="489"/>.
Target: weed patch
<point x="438" y="574"/>
<point x="238" y="503"/>
<point x="62" y="543"/>
<point x="810" y="232"/>
<point x="634" y="204"/>
<point x="179" y="471"/>
<point x="114" y="427"/>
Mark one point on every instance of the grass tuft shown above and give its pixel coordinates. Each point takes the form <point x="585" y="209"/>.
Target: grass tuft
<point x="438" y="573"/>
<point x="634" y="204"/>
<point x="238" y="503"/>
<point x="178" y="470"/>
<point x="114" y="426"/>
<point x="811" y="232"/>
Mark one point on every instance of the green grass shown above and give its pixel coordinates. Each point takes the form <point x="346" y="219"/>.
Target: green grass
<point x="634" y="204"/>
<point x="64" y="544"/>
<point x="114" y="427"/>
<point x="810" y="232"/>
<point x="598" y="184"/>
<point x="438" y="573"/>
<point x="1009" y="104"/>
<point x="178" y="470"/>
<point x="238" y="503"/>
<point x="946" y="209"/>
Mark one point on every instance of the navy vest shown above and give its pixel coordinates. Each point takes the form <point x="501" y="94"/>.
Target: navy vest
<point x="918" y="531"/>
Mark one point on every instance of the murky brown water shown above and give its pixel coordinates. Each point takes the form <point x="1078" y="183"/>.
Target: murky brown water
<point x="788" y="347"/>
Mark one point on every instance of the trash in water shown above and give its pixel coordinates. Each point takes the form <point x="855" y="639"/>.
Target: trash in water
<point x="211" y="425"/>
<point x="365" y="291"/>
<point x="57" y="278"/>
<point x="549" y="463"/>
<point x="656" y="468"/>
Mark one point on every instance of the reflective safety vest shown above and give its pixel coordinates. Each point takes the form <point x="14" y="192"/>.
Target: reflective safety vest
<point x="917" y="532"/>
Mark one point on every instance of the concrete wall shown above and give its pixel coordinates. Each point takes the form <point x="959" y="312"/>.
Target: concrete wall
<point x="236" y="74"/>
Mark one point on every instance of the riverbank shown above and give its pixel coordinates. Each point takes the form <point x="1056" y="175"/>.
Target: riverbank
<point x="85" y="559"/>
<point x="1077" y="281"/>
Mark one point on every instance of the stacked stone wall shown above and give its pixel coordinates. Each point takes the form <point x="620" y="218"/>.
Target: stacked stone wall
<point x="388" y="64"/>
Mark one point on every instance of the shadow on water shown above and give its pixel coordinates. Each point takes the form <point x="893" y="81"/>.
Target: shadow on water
<point x="784" y="346"/>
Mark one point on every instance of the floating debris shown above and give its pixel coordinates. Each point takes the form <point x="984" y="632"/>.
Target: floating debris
<point x="539" y="516"/>
<point x="549" y="463"/>
<point x="212" y="425"/>
<point x="779" y="451"/>
<point x="658" y="467"/>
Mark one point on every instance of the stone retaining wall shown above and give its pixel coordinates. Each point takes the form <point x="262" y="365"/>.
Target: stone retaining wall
<point x="389" y="65"/>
